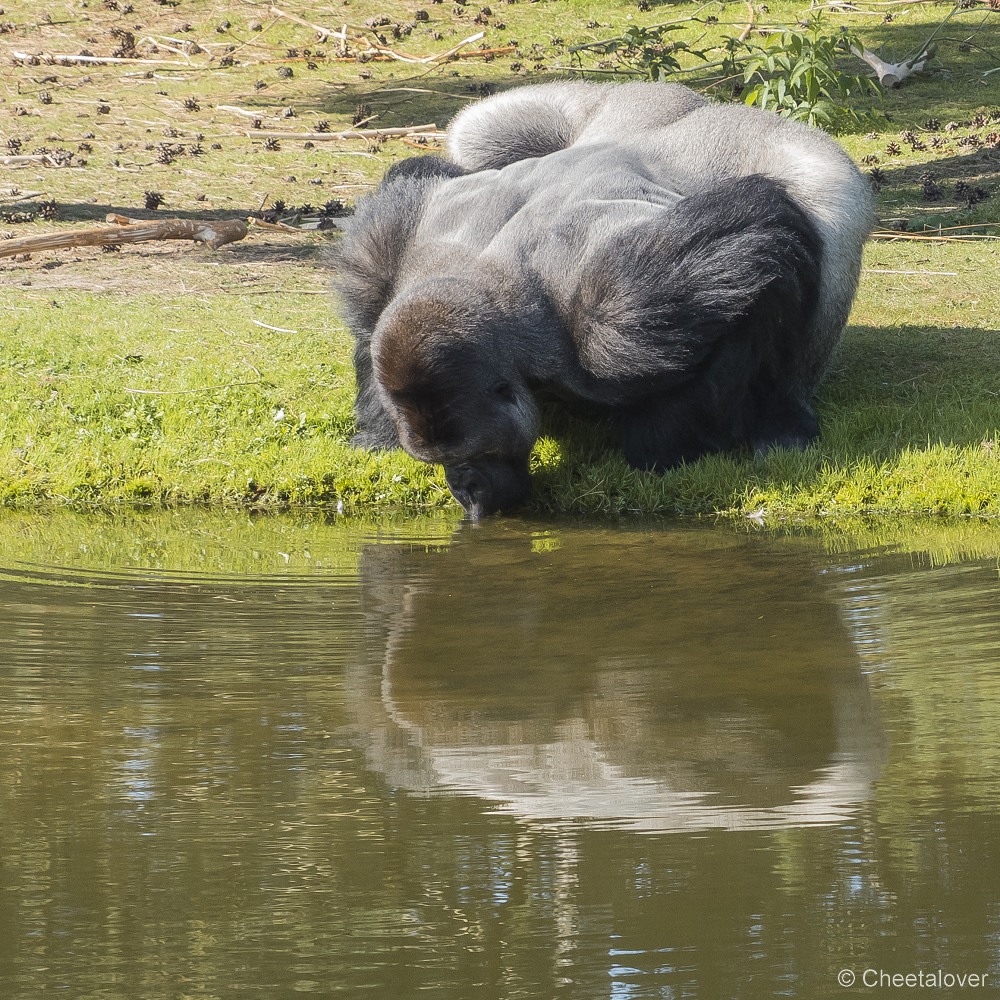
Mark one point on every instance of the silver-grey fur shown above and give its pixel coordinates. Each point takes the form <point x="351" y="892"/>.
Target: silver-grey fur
<point x="689" y="266"/>
<point x="696" y="143"/>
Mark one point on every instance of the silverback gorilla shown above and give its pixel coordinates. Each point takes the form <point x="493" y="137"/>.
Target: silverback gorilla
<point x="687" y="265"/>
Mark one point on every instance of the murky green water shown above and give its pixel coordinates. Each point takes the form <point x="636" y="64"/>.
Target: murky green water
<point x="256" y="758"/>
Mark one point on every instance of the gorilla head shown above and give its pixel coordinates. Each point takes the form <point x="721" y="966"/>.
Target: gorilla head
<point x="449" y="382"/>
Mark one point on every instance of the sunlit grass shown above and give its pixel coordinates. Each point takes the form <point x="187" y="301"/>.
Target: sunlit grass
<point x="155" y="376"/>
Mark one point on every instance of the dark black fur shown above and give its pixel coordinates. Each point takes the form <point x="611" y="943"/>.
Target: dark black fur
<point x="470" y="294"/>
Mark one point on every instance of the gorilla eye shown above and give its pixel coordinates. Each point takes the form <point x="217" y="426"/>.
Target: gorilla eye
<point x="503" y="390"/>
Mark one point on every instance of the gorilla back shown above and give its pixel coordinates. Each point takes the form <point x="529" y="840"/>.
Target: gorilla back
<point x="692" y="275"/>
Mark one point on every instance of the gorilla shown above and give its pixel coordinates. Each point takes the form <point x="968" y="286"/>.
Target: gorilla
<point x="684" y="265"/>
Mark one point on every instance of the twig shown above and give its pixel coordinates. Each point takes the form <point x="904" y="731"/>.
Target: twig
<point x="160" y="44"/>
<point x="182" y="392"/>
<point x="883" y="3"/>
<point x="364" y="133"/>
<point x="14" y="161"/>
<point x="437" y="57"/>
<point x="125" y="230"/>
<point x="278" y="227"/>
<point x="13" y="195"/>
<point x="893" y="74"/>
<point x="276" y="329"/>
<point x="239" y="111"/>
<point x="479" y="53"/>
<point x="98" y="60"/>
<point x="322" y="33"/>
<point x="890" y="236"/>
<point x="877" y="270"/>
<point x="423" y="90"/>
<point x="968" y="225"/>
<point x="745" y="33"/>
<point x="419" y="145"/>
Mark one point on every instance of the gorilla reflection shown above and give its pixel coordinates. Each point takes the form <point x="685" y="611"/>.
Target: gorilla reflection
<point x="688" y="681"/>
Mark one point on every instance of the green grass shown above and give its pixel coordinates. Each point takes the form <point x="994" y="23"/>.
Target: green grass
<point x="145" y="377"/>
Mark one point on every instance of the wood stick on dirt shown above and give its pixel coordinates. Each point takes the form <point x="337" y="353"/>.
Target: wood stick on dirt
<point x="479" y="53"/>
<point x="362" y="133"/>
<point x="322" y="33"/>
<point x="215" y="234"/>
<point x="16" y="196"/>
<point x="18" y="161"/>
<point x="892" y="236"/>
<point x="97" y="60"/>
<point x="893" y="74"/>
<point x="437" y="57"/>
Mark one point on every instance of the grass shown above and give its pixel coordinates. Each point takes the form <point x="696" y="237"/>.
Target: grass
<point x="164" y="375"/>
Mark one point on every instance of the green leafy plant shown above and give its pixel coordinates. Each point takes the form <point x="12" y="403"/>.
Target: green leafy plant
<point x="797" y="73"/>
<point x="644" y="51"/>
<point x="654" y="51"/>
<point x="797" y="70"/>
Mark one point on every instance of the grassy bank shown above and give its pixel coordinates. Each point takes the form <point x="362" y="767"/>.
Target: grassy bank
<point x="163" y="374"/>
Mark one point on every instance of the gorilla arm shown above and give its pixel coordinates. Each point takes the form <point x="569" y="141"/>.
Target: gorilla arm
<point x="368" y="262"/>
<point x="687" y="323"/>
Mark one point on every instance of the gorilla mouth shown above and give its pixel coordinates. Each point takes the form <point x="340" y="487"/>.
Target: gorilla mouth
<point x="488" y="486"/>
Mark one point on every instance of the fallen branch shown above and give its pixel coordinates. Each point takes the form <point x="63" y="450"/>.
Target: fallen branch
<point x="322" y="33"/>
<point x="14" y="161"/>
<point x="184" y="392"/>
<point x="437" y="57"/>
<point x="15" y="196"/>
<point x="891" y="236"/>
<point x="478" y="53"/>
<point x="240" y="111"/>
<point x="879" y="270"/>
<point x="425" y="146"/>
<point x="62" y="60"/>
<point x="893" y="74"/>
<point x="276" y="227"/>
<point x="125" y="230"/>
<point x="363" y="133"/>
<point x="158" y="44"/>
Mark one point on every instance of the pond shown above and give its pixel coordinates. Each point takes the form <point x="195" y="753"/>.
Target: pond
<point x="261" y="757"/>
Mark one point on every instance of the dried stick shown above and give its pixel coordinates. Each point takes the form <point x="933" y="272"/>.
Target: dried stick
<point x="437" y="57"/>
<point x="322" y="33"/>
<point x="14" y="161"/>
<point x="479" y="53"/>
<point x="891" y="236"/>
<point x="15" y="196"/>
<point x="98" y="60"/>
<point x="364" y="133"/>
<point x="879" y="270"/>
<point x="215" y="234"/>
<point x="184" y="392"/>
<point x="240" y="111"/>
<point x="893" y="74"/>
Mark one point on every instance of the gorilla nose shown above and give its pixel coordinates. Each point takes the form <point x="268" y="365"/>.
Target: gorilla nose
<point x="487" y="485"/>
<point x="470" y="488"/>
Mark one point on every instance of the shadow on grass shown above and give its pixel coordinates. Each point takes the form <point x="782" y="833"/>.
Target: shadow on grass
<point x="894" y="399"/>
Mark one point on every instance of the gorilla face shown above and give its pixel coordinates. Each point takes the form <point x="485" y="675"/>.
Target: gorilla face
<point x="456" y="401"/>
<point x="489" y="485"/>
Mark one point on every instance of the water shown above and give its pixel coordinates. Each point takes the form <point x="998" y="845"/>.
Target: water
<point x="267" y="757"/>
